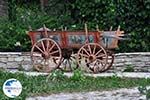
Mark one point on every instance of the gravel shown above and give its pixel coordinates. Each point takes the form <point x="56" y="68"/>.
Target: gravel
<point x="120" y="94"/>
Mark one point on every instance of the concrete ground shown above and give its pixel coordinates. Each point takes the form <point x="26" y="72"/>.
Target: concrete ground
<point x="120" y="94"/>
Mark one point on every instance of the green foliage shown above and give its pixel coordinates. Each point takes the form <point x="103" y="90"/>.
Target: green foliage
<point x="132" y="16"/>
<point x="16" y="30"/>
<point x="145" y="91"/>
<point x="20" y="68"/>
<point x="78" y="75"/>
<point x="129" y="68"/>
<point x="56" y="75"/>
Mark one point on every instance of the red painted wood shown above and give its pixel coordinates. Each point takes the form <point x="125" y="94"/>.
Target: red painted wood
<point x="64" y="37"/>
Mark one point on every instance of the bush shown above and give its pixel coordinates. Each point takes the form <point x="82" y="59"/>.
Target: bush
<point x="132" y="16"/>
<point x="14" y="31"/>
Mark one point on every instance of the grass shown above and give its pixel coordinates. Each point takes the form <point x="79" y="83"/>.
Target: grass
<point x="37" y="85"/>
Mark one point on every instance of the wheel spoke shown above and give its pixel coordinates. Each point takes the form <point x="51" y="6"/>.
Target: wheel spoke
<point x="51" y="47"/>
<point x="102" y="55"/>
<point x="84" y="55"/>
<point x="39" y="49"/>
<point x="47" y="44"/>
<point x="94" y="49"/>
<point x="90" y="49"/>
<point x="85" y="51"/>
<point x="102" y="61"/>
<point x="56" y="57"/>
<point x="98" y="52"/>
<point x="43" y="45"/>
<point x="54" y="52"/>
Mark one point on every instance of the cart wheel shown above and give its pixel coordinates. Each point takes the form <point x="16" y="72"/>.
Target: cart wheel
<point x="109" y="62"/>
<point x="46" y="55"/>
<point x="93" y="56"/>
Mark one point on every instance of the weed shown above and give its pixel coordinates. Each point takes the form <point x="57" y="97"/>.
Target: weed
<point x="78" y="75"/>
<point x="129" y="68"/>
<point x="20" y="68"/>
<point x="56" y="75"/>
<point x="145" y="91"/>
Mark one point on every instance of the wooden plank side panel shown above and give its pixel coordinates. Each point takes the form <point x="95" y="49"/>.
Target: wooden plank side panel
<point x="75" y="39"/>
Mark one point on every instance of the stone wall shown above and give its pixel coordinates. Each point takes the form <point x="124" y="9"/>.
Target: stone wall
<point x="15" y="60"/>
<point x="3" y="8"/>
<point x="139" y="61"/>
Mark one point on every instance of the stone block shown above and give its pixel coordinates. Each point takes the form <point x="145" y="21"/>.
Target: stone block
<point x="18" y="59"/>
<point x="3" y="59"/>
<point x="118" y="64"/>
<point x="128" y="63"/>
<point x="27" y="59"/>
<point x="27" y="67"/>
<point x="12" y="65"/>
<point x="146" y="59"/>
<point x="10" y="59"/>
<point x="26" y="63"/>
<point x="138" y="64"/>
<point x="119" y="60"/>
<point x="25" y="53"/>
<point x="3" y="65"/>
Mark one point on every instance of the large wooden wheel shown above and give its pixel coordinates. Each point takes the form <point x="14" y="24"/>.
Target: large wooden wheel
<point x="92" y="56"/>
<point x="46" y="55"/>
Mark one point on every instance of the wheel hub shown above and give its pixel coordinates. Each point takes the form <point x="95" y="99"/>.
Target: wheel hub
<point x="46" y="55"/>
<point x="92" y="58"/>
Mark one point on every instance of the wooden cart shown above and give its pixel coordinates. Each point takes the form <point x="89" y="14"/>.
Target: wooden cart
<point x="68" y="50"/>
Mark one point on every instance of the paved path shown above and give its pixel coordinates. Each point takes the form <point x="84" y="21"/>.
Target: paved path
<point x="121" y="94"/>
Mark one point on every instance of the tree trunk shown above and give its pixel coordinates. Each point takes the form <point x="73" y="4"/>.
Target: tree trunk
<point x="44" y="3"/>
<point x="12" y="10"/>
